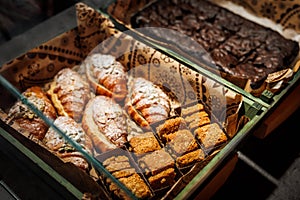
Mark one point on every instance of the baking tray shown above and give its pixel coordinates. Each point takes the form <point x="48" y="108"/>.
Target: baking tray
<point x="39" y="65"/>
<point x="281" y="20"/>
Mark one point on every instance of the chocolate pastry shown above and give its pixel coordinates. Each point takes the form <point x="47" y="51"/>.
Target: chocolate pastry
<point x="69" y="93"/>
<point x="57" y="144"/>
<point x="237" y="47"/>
<point x="104" y="121"/>
<point x="106" y="76"/>
<point x="146" y="103"/>
<point x="26" y="118"/>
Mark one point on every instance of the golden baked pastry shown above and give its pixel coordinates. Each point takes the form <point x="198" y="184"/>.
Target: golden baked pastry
<point x="192" y="109"/>
<point x="121" y="168"/>
<point x="162" y="179"/>
<point x="106" y="75"/>
<point x="143" y="143"/>
<point x="210" y="135"/>
<point x="135" y="184"/>
<point x="26" y="118"/>
<point x="146" y="103"/>
<point x="181" y="142"/>
<point x="158" y="166"/>
<point x="190" y="158"/>
<point x="170" y="126"/>
<point x="69" y="93"/>
<point x="104" y="121"/>
<point x="58" y="145"/>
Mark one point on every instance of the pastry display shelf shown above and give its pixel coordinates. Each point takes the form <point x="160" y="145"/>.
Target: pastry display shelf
<point x="216" y="171"/>
<point x="278" y="105"/>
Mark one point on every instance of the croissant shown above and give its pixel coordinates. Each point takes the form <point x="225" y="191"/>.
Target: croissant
<point x="57" y="144"/>
<point x="146" y="103"/>
<point x="26" y="118"/>
<point x="106" y="76"/>
<point x="105" y="122"/>
<point x="69" y="93"/>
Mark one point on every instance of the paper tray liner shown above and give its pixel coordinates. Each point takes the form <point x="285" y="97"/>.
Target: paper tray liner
<point x="38" y="66"/>
<point x="280" y="16"/>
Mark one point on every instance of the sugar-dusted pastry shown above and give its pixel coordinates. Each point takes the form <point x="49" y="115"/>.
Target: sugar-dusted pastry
<point x="105" y="122"/>
<point x="106" y="75"/>
<point x="69" y="93"/>
<point x="26" y="118"/>
<point x="61" y="148"/>
<point x="146" y="103"/>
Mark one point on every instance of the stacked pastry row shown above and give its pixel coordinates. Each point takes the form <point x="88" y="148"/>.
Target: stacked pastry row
<point x="96" y="109"/>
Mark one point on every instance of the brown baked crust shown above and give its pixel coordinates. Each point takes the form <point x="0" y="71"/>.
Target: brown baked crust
<point x="210" y="135"/>
<point x="143" y="143"/>
<point x="181" y="142"/>
<point x="106" y="75"/>
<point x="163" y="179"/>
<point x="197" y="119"/>
<point x="163" y="161"/>
<point x="146" y="103"/>
<point x="27" y="119"/>
<point x="105" y="123"/>
<point x="170" y="126"/>
<point x="192" y="109"/>
<point x="69" y="93"/>
<point x="135" y="184"/>
<point x="58" y="145"/>
<point x="122" y="170"/>
<point x="190" y="158"/>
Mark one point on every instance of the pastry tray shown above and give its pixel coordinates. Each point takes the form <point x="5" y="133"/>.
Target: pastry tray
<point x="178" y="45"/>
<point x="234" y="109"/>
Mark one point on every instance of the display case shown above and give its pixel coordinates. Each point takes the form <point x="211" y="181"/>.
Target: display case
<point x="104" y="100"/>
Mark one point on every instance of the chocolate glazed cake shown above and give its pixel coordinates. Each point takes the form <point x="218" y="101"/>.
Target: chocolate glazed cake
<point x="238" y="47"/>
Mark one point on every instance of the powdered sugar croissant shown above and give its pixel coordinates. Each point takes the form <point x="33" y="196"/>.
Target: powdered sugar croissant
<point x="26" y="118"/>
<point x="146" y="103"/>
<point x="105" y="122"/>
<point x="56" y="144"/>
<point x="106" y="76"/>
<point x="69" y="93"/>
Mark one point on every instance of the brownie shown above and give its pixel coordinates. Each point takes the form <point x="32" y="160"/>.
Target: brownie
<point x="159" y="168"/>
<point x="181" y="142"/>
<point x="197" y="119"/>
<point x="116" y="163"/>
<point x="163" y="179"/>
<point x="210" y="135"/>
<point x="190" y="158"/>
<point x="156" y="162"/>
<point x="236" y="46"/>
<point x="135" y="184"/>
<point x="143" y="143"/>
<point x="192" y="109"/>
<point x="124" y="173"/>
<point x="122" y="170"/>
<point x="170" y="126"/>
